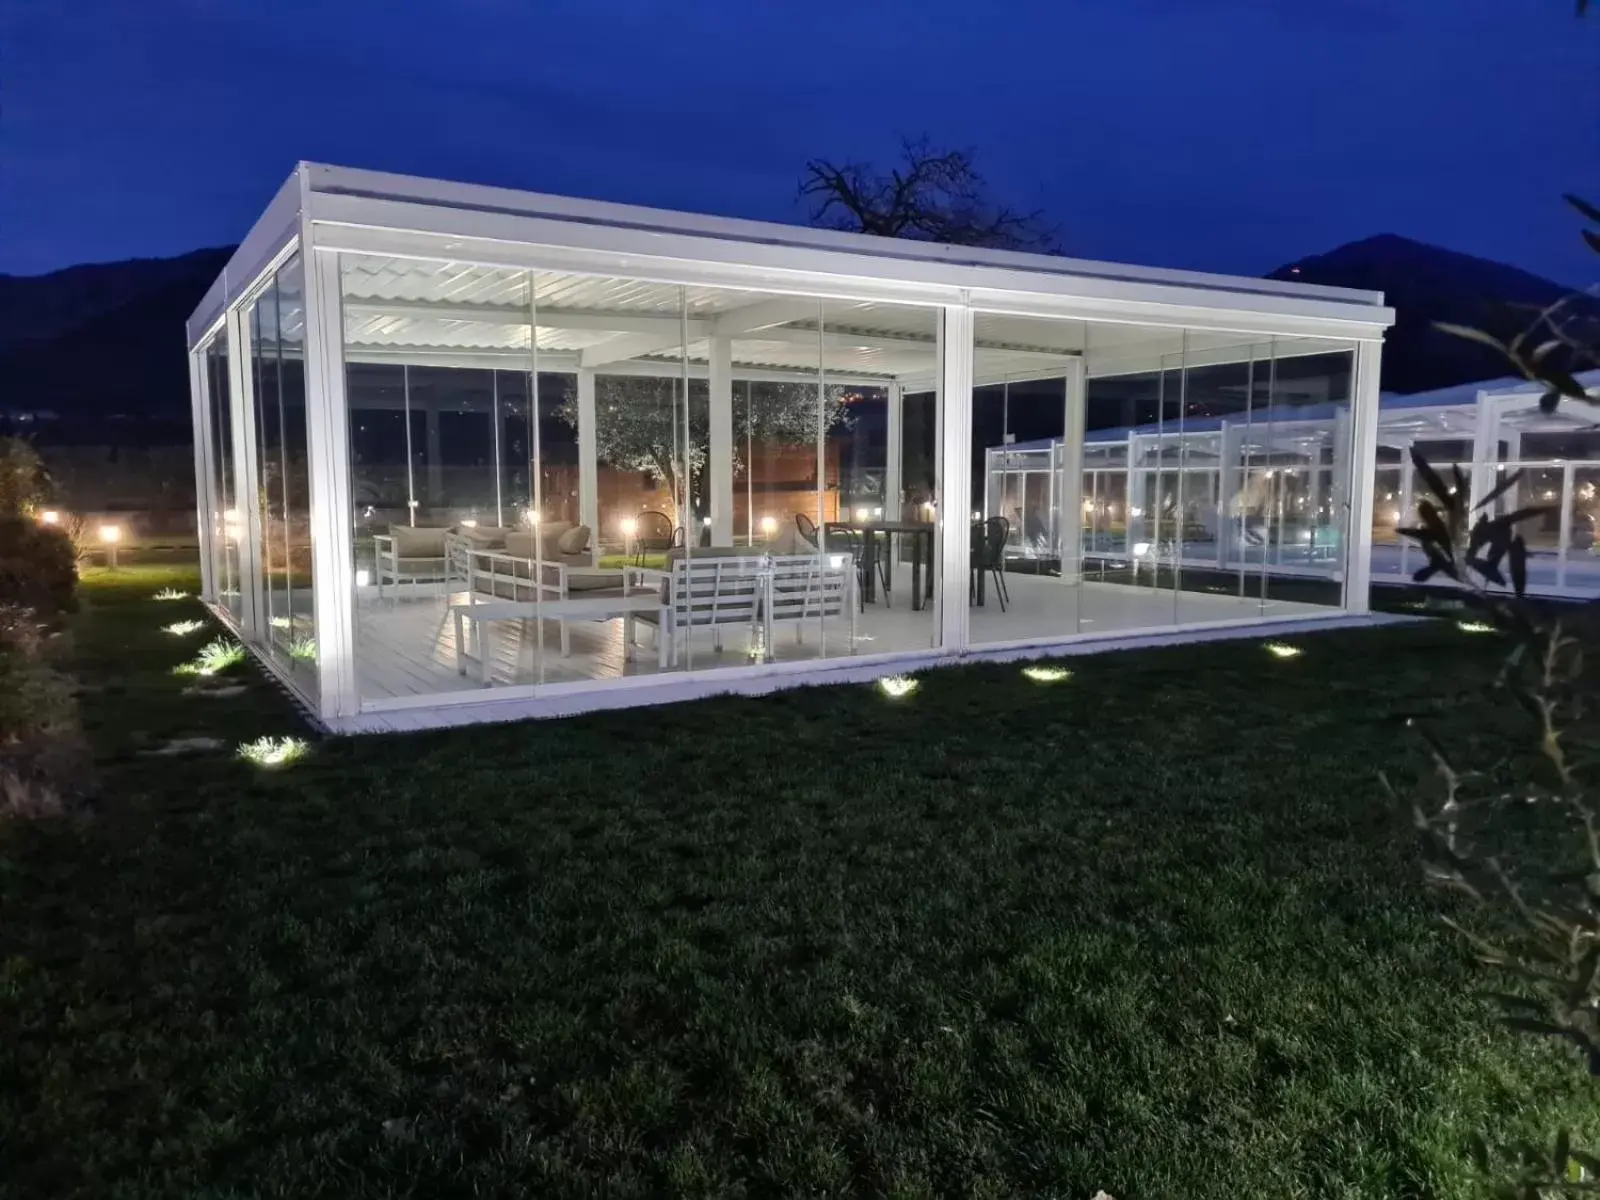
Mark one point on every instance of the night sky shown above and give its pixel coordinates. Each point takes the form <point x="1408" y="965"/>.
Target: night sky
<point x="1229" y="135"/>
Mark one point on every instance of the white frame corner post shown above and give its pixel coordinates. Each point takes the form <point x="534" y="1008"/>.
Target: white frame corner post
<point x="328" y="457"/>
<point x="204" y="472"/>
<point x="1069" y="492"/>
<point x="1363" y="461"/>
<point x="954" y="408"/>
<point x="246" y="468"/>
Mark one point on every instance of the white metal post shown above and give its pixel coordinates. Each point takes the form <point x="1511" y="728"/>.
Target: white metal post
<point x="494" y="431"/>
<point x="1565" y="523"/>
<point x="1408" y="508"/>
<point x="588" y="462"/>
<point x="1229" y="462"/>
<point x="1485" y="450"/>
<point x="893" y="496"/>
<point x="246" y="481"/>
<point x="1133" y="522"/>
<point x="954" y="404"/>
<point x="1069" y="492"/>
<point x="205" y="505"/>
<point x="331" y="508"/>
<point x="720" y="443"/>
<point x="1343" y="478"/>
<point x="1363" y="466"/>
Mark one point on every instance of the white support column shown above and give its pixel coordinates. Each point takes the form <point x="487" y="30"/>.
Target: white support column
<point x="719" y="370"/>
<point x="1565" y="524"/>
<point x="588" y="463"/>
<point x="1133" y="520"/>
<point x="893" y="493"/>
<point x="246" y="478"/>
<point x="328" y="475"/>
<point x="1363" y="465"/>
<point x="1230" y="482"/>
<point x="954" y="447"/>
<point x="1485" y="449"/>
<point x="204" y="474"/>
<point x="1069" y="491"/>
<point x="1343" y="477"/>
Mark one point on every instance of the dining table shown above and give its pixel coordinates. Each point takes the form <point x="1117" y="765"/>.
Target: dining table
<point x="920" y="534"/>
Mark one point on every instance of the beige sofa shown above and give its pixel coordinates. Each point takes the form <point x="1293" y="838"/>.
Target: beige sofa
<point x="552" y="562"/>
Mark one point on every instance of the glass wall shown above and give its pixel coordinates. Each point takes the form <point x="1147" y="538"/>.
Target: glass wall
<point x="559" y="479"/>
<point x="1193" y="477"/>
<point x="276" y="328"/>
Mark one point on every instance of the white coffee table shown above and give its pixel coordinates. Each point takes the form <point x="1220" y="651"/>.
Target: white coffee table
<point x="589" y="608"/>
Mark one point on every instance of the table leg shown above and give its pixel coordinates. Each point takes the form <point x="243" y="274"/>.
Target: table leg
<point x="869" y="557"/>
<point x="483" y="656"/>
<point x="980" y="586"/>
<point x="916" y="572"/>
<point x="461" y="655"/>
<point x="928" y="585"/>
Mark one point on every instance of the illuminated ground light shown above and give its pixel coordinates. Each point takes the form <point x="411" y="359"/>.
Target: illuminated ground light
<point x="183" y="628"/>
<point x="280" y="622"/>
<point x="1047" y="674"/>
<point x="171" y="594"/>
<point x="273" y="752"/>
<point x="213" y="657"/>
<point x="1474" y="627"/>
<point x="1283" y="650"/>
<point x="896" y="686"/>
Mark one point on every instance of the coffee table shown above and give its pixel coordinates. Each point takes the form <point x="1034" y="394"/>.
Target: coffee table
<point x="592" y="608"/>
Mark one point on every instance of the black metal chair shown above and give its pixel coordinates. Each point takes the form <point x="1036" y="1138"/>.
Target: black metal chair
<point x="807" y="529"/>
<point x="988" y="550"/>
<point x="653" y="534"/>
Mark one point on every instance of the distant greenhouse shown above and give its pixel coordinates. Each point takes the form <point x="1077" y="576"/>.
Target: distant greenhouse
<point x="1239" y="477"/>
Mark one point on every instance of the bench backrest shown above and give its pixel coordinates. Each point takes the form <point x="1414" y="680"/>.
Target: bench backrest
<point x="734" y="589"/>
<point x="806" y="585"/>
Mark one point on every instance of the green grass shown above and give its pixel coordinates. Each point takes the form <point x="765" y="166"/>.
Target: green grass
<point x="1153" y="929"/>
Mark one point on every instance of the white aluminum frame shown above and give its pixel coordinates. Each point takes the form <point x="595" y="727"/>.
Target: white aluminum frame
<point x="324" y="212"/>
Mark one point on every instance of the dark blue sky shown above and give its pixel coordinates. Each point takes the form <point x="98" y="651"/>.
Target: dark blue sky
<point x="1228" y="135"/>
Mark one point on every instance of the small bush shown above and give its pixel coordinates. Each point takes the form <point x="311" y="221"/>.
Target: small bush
<point x="38" y="567"/>
<point x="214" y="658"/>
<point x="44" y="758"/>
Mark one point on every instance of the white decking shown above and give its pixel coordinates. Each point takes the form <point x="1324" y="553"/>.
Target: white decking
<point x="406" y="647"/>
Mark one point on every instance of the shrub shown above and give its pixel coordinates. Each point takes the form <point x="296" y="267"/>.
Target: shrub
<point x="25" y="484"/>
<point x="44" y="758"/>
<point x="38" y="567"/>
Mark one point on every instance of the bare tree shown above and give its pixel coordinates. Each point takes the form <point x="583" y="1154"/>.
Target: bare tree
<point x="930" y="195"/>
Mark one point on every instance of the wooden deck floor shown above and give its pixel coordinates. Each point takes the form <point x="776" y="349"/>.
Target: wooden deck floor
<point x="406" y="647"/>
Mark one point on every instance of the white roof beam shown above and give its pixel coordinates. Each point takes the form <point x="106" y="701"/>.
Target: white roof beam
<point x="660" y="325"/>
<point x="762" y="314"/>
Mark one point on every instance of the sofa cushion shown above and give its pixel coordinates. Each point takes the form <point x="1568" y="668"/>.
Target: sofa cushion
<point x="520" y="543"/>
<point x="594" y="580"/>
<point x="412" y="542"/>
<point x="484" y="537"/>
<point x="574" y="540"/>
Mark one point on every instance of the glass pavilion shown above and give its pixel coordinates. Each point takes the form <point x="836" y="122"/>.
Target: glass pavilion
<point x="469" y="454"/>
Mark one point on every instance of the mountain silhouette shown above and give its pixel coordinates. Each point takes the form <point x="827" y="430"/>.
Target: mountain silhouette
<point x="1428" y="284"/>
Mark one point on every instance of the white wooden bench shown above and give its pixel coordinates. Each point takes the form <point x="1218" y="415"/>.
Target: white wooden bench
<point x="753" y="590"/>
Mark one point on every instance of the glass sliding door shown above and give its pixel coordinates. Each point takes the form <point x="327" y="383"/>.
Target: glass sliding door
<point x="224" y="517"/>
<point x="275" y="326"/>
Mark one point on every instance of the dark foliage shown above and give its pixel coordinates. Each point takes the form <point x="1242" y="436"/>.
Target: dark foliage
<point x="38" y="566"/>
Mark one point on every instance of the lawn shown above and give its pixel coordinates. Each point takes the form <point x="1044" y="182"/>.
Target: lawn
<point x="1154" y="929"/>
